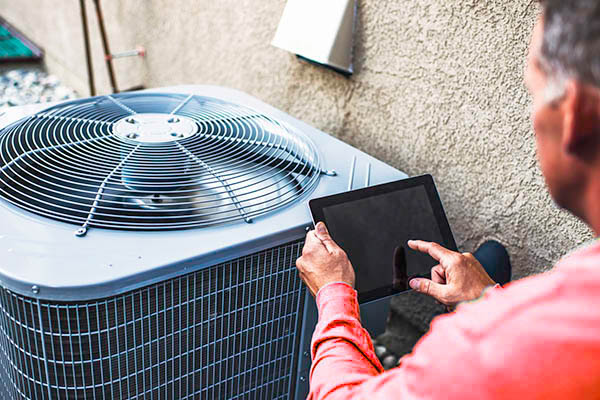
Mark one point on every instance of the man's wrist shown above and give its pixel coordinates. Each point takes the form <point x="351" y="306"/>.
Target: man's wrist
<point x="335" y="299"/>
<point x="332" y="283"/>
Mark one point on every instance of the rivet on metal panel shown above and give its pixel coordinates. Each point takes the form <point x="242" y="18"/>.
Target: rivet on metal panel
<point x="305" y="354"/>
<point x="302" y="379"/>
<point x="35" y="289"/>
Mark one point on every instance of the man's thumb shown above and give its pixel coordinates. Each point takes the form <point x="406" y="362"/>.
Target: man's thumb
<point x="323" y="235"/>
<point x="428" y="287"/>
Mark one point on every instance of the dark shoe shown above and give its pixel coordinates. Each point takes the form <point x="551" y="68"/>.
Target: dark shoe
<point x="495" y="260"/>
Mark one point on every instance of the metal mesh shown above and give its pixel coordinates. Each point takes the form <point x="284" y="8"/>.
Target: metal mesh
<point x="154" y="161"/>
<point x="226" y="332"/>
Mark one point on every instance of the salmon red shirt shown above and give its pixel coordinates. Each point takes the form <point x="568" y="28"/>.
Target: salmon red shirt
<point x="536" y="338"/>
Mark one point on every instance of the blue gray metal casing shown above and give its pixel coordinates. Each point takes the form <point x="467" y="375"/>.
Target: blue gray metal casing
<point x="42" y="258"/>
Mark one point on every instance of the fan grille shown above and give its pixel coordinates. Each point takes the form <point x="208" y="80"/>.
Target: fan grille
<point x="153" y="161"/>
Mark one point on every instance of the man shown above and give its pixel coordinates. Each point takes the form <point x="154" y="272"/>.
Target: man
<point x="537" y="338"/>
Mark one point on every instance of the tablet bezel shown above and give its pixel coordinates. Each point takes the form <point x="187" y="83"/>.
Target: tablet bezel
<point x="317" y="205"/>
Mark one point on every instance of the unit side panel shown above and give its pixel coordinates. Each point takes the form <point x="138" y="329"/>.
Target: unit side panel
<point x="230" y="331"/>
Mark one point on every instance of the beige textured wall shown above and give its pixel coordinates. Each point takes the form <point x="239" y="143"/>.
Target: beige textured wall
<point x="437" y="89"/>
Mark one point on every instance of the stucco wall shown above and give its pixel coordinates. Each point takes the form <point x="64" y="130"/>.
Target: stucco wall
<point x="437" y="89"/>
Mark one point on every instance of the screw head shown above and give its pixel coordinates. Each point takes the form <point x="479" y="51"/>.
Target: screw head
<point x="35" y="289"/>
<point x="302" y="379"/>
<point x="305" y="354"/>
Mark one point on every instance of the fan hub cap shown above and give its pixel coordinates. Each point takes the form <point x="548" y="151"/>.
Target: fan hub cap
<point x="151" y="128"/>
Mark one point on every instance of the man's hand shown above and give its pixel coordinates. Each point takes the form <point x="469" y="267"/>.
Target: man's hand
<point x="323" y="261"/>
<point x="458" y="277"/>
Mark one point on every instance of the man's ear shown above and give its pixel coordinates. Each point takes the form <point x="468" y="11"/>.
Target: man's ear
<point x="581" y="110"/>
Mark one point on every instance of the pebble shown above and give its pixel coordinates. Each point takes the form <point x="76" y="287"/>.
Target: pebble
<point x="386" y="357"/>
<point x="24" y="86"/>
<point x="389" y="362"/>
<point x="380" y="351"/>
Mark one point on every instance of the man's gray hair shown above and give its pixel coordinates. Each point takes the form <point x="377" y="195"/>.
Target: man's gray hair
<point x="571" y="44"/>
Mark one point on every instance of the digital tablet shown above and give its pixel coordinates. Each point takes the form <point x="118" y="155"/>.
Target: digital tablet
<point x="373" y="225"/>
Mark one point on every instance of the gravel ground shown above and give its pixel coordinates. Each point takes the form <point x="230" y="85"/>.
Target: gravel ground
<point x="31" y="85"/>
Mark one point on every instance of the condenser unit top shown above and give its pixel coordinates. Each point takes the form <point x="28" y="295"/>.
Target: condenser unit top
<point x="101" y="195"/>
<point x="156" y="161"/>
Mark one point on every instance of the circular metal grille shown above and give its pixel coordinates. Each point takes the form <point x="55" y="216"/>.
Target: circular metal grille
<point x="153" y="161"/>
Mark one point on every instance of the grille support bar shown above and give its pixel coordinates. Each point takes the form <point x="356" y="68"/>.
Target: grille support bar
<point x="182" y="104"/>
<point x="123" y="106"/>
<point x="222" y="181"/>
<point x="84" y="228"/>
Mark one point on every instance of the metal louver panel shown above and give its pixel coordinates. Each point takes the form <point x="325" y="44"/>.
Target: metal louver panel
<point x="154" y="161"/>
<point x="230" y="331"/>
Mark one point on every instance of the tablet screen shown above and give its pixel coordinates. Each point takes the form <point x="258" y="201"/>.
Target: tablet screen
<point x="373" y="229"/>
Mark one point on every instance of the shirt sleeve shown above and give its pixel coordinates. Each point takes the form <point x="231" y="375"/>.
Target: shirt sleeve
<point x="345" y="365"/>
<point x="342" y="351"/>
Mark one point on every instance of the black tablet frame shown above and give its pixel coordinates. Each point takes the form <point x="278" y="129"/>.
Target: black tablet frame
<point x="317" y="205"/>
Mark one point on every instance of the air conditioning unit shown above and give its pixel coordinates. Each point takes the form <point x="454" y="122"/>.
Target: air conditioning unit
<point x="148" y="246"/>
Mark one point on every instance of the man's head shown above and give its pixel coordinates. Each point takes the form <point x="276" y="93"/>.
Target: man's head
<point x="563" y="76"/>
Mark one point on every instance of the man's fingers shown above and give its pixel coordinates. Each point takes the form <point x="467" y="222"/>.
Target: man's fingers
<point x="312" y="242"/>
<point x="323" y="235"/>
<point x="433" y="249"/>
<point x="429" y="287"/>
<point x="438" y="274"/>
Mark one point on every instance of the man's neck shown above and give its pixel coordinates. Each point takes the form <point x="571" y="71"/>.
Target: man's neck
<point x="591" y="204"/>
